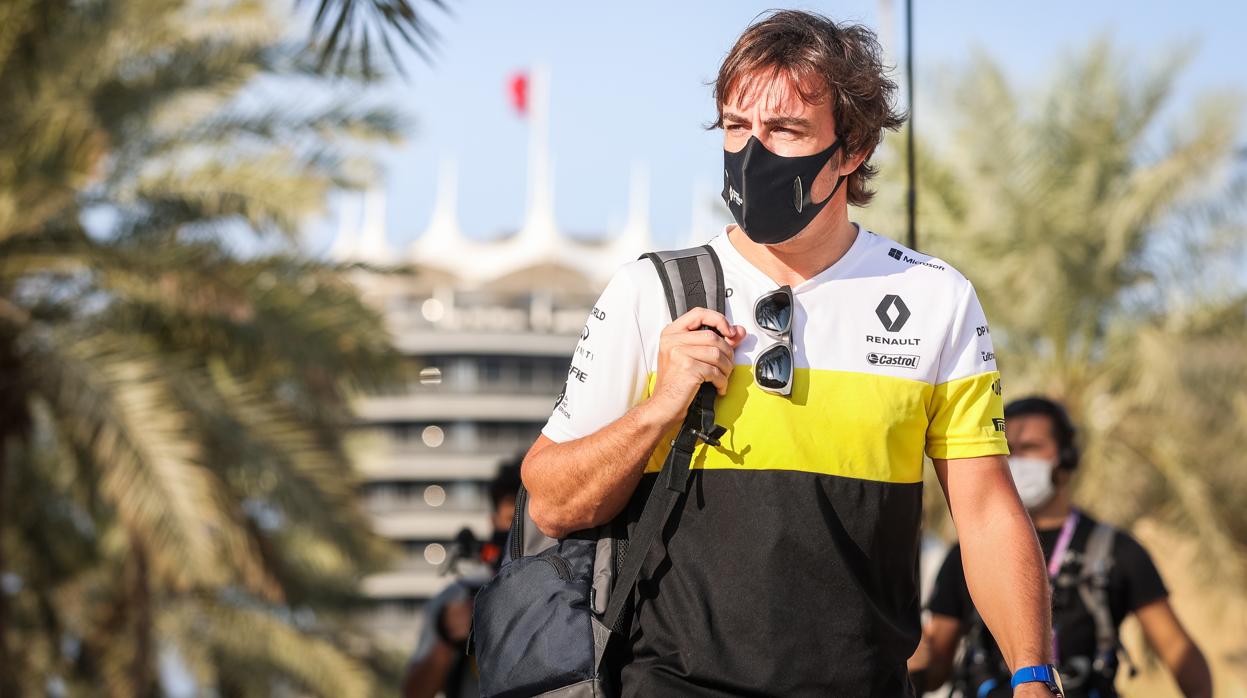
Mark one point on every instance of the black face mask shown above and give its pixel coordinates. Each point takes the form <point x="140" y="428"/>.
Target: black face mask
<point x="769" y="194"/>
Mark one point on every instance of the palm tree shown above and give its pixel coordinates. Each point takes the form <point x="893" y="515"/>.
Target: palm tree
<point x="347" y="31"/>
<point x="1106" y="244"/>
<point x="174" y="373"/>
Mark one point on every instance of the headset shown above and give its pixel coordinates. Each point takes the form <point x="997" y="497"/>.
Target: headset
<point x="1062" y="426"/>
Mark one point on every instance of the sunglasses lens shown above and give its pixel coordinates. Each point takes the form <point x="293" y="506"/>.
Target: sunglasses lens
<point x="773" y="370"/>
<point x="774" y="312"/>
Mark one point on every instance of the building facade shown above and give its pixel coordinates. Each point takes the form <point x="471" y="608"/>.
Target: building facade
<point x="487" y="329"/>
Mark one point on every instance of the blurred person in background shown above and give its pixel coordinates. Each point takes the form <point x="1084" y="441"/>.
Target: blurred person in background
<point x="440" y="663"/>
<point x="1099" y="576"/>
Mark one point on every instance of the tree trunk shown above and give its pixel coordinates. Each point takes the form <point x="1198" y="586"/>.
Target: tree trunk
<point x="142" y="673"/>
<point x="8" y="685"/>
<point x="13" y="422"/>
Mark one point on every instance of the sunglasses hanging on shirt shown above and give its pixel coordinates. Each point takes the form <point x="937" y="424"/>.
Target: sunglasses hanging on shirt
<point x="773" y="369"/>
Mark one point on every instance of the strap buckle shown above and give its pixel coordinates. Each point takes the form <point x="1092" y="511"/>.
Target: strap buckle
<point x="713" y="437"/>
<point x="681" y="455"/>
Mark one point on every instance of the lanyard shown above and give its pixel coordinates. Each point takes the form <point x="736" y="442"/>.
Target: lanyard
<point x="1062" y="544"/>
<point x="1058" y="559"/>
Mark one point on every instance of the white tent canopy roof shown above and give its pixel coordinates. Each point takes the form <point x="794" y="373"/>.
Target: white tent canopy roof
<point x="539" y="243"/>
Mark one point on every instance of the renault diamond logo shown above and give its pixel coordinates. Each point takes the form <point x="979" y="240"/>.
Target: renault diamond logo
<point x="892" y="313"/>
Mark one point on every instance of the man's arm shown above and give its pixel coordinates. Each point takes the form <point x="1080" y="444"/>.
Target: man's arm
<point x="1004" y="566"/>
<point x="585" y="482"/>
<point x="426" y="674"/>
<point x="932" y="663"/>
<point x="1164" y="632"/>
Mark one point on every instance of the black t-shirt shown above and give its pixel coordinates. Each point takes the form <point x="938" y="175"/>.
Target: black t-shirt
<point x="1133" y="582"/>
<point x="789" y="584"/>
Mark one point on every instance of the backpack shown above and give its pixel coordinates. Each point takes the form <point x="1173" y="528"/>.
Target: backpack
<point x="983" y="672"/>
<point x="1092" y="587"/>
<point x="542" y="625"/>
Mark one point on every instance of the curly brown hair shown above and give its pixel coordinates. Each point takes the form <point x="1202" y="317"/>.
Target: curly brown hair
<point x="845" y="60"/>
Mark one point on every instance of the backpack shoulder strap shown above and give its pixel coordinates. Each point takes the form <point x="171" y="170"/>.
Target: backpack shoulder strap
<point x="691" y="278"/>
<point x="1093" y="587"/>
<point x="1098" y="557"/>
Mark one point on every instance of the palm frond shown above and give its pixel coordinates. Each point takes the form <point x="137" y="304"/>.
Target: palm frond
<point x="116" y="406"/>
<point x="270" y="648"/>
<point x="344" y="29"/>
<point x="15" y="19"/>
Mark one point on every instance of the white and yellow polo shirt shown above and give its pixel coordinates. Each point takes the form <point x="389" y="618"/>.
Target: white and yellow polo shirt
<point x="793" y="567"/>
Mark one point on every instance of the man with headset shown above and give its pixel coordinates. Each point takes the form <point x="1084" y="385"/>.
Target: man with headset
<point x="1099" y="576"/>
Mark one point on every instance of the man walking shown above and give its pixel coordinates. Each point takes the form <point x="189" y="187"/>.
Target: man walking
<point x="441" y="665"/>
<point x="791" y="567"/>
<point x="1099" y="575"/>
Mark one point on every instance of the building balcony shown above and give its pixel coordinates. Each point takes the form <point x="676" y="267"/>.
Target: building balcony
<point x="448" y="463"/>
<point x="430" y="524"/>
<point x="418" y="341"/>
<point x="547" y="386"/>
<point x="412" y="495"/>
<point x="451" y="314"/>
<point x="455" y="407"/>
<point x="405" y="584"/>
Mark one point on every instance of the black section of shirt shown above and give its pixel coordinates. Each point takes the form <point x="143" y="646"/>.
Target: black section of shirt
<point x="1133" y="583"/>
<point x="779" y="583"/>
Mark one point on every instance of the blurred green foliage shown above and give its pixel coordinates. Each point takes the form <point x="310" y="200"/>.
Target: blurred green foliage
<point x="1102" y="221"/>
<point x="174" y="372"/>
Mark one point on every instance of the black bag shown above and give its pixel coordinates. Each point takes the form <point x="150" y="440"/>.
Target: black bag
<point x="542" y="625"/>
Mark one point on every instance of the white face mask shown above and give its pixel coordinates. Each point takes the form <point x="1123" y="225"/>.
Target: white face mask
<point x="1033" y="478"/>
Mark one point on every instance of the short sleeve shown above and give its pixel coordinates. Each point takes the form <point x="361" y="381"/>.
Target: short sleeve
<point x="948" y="596"/>
<point x="1140" y="578"/>
<point x="607" y="375"/>
<point x="966" y="415"/>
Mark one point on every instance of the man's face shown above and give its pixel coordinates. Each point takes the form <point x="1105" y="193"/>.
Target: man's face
<point x="770" y="108"/>
<point x="504" y="513"/>
<point x="1033" y="436"/>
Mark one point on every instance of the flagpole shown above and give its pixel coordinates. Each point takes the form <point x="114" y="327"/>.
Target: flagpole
<point x="909" y="82"/>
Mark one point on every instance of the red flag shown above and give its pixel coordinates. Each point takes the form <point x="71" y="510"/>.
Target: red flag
<point x="517" y="88"/>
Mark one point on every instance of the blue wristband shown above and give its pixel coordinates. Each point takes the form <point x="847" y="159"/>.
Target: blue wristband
<point x="1041" y="673"/>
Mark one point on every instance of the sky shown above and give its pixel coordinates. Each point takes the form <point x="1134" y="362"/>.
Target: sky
<point x="628" y="87"/>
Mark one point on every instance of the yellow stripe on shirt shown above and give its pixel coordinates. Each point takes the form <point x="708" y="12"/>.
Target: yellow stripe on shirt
<point x="848" y="424"/>
<point x="967" y="418"/>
